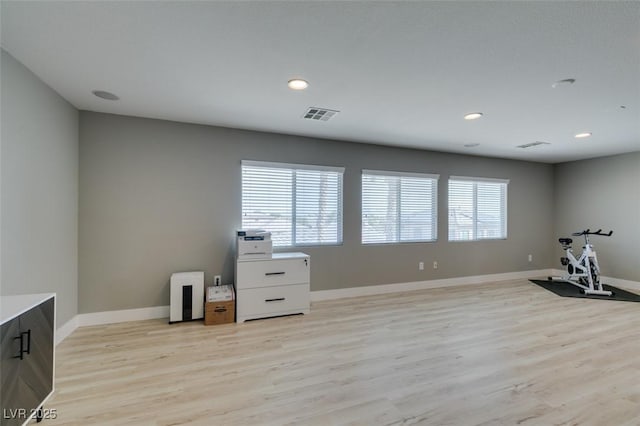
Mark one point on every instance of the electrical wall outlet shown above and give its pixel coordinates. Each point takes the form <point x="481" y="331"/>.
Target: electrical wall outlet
<point x="421" y="266"/>
<point x="217" y="280"/>
<point x="530" y="258"/>
<point x="435" y="265"/>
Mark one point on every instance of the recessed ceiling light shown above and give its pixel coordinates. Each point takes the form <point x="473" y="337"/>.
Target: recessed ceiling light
<point x="583" y="135"/>
<point x="471" y="145"/>
<point x="297" y="84"/>
<point x="105" y="95"/>
<point x="563" y="83"/>
<point x="473" y="116"/>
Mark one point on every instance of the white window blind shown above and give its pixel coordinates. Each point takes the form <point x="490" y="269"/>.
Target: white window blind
<point x="477" y="209"/>
<point x="298" y="204"/>
<point x="398" y="207"/>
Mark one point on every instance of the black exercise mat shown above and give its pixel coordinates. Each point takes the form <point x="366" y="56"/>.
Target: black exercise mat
<point x="564" y="289"/>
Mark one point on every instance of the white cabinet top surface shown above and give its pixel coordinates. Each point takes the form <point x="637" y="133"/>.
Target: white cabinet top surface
<point x="279" y="256"/>
<point x="13" y="306"/>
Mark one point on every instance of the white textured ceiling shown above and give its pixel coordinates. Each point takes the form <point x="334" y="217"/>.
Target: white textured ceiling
<point x="400" y="73"/>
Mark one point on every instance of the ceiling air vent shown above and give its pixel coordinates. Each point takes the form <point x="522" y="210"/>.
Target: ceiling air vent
<point x="322" y="114"/>
<point x="536" y="143"/>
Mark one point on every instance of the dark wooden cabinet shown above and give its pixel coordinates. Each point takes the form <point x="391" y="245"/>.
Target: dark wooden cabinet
<point x="27" y="355"/>
<point x="9" y="369"/>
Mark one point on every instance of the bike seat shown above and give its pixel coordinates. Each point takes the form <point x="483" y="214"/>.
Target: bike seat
<point x="565" y="241"/>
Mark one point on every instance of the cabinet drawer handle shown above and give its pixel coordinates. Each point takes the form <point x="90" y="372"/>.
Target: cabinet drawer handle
<point x="22" y="349"/>
<point x="21" y="337"/>
<point x="28" y="333"/>
<point x="279" y="299"/>
<point x="274" y="273"/>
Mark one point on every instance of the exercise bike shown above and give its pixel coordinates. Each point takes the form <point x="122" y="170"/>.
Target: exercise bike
<point x="584" y="271"/>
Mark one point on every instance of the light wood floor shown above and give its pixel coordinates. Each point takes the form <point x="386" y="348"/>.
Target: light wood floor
<point x="497" y="354"/>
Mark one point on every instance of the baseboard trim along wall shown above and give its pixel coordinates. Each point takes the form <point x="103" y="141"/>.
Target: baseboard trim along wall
<point x="65" y="330"/>
<point x="616" y="282"/>
<point x="112" y="317"/>
<point x="372" y="290"/>
<point x="109" y="317"/>
<point x="631" y="285"/>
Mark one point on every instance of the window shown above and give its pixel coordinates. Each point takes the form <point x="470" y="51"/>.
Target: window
<point x="299" y="204"/>
<point x="477" y="208"/>
<point x="398" y="207"/>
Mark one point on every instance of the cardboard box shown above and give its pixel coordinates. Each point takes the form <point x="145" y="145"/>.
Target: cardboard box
<point x="219" y="311"/>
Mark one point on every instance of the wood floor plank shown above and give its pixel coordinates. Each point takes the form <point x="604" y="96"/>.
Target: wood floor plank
<point x="491" y="354"/>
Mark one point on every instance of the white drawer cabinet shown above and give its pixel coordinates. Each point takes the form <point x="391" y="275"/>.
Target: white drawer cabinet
<point x="267" y="273"/>
<point x="271" y="301"/>
<point x="272" y="287"/>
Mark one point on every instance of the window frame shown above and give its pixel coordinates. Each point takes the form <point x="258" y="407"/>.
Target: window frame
<point x="303" y="167"/>
<point x="477" y="180"/>
<point x="435" y="178"/>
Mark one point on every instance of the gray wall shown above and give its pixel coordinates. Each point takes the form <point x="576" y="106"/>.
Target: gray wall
<point x="39" y="178"/>
<point x="158" y="197"/>
<point x="602" y="193"/>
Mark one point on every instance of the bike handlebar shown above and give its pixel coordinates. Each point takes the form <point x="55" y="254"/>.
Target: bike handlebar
<point x="588" y="232"/>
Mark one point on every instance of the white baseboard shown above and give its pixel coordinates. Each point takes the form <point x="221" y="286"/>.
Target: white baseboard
<point x="340" y="293"/>
<point x="616" y="282"/>
<point x="109" y="317"/>
<point x="112" y="317"/>
<point x="64" y="331"/>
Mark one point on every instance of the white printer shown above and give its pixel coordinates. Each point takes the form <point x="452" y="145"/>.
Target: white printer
<point x="254" y="244"/>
